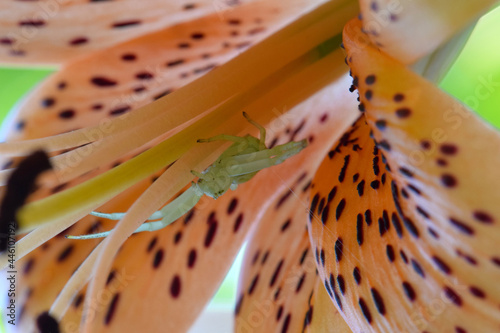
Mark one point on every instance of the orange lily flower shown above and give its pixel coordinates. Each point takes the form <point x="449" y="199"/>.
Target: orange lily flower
<point x="379" y="225"/>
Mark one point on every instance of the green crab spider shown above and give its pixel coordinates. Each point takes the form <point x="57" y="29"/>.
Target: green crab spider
<point x="236" y="165"/>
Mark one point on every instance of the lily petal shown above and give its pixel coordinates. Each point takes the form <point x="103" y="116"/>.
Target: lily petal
<point x="279" y="273"/>
<point x="52" y="32"/>
<point x="411" y="243"/>
<point x="325" y="316"/>
<point x="433" y="142"/>
<point x="408" y="30"/>
<point x="350" y="212"/>
<point x="122" y="78"/>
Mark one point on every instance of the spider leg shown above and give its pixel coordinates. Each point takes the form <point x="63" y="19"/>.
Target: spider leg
<point x="171" y="212"/>
<point x="197" y="174"/>
<point x="253" y="162"/>
<point x="118" y="216"/>
<point x="175" y="209"/>
<point x="91" y="236"/>
<point x="262" y="143"/>
<point x="111" y="216"/>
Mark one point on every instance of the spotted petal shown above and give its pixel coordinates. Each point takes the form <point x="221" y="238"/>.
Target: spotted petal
<point x="279" y="272"/>
<point x="410" y="244"/>
<point x="124" y="77"/>
<point x="433" y="142"/>
<point x="349" y="214"/>
<point x="52" y="32"/>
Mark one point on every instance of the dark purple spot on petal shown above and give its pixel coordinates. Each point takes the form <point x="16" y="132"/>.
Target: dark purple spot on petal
<point x="111" y="309"/>
<point x="370" y="79"/>
<point x="129" y="57"/>
<point x="398" y="98"/>
<point x="175" y="287"/>
<point x="191" y="258"/>
<point x="448" y="180"/>
<point x="483" y="217"/>
<point x="67" y="114"/>
<point x="78" y="41"/>
<point x="126" y="24"/>
<point x="403" y="113"/>
<point x="448" y="149"/>
<point x="102" y="81"/>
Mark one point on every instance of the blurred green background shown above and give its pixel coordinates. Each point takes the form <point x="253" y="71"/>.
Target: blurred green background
<point x="478" y="63"/>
